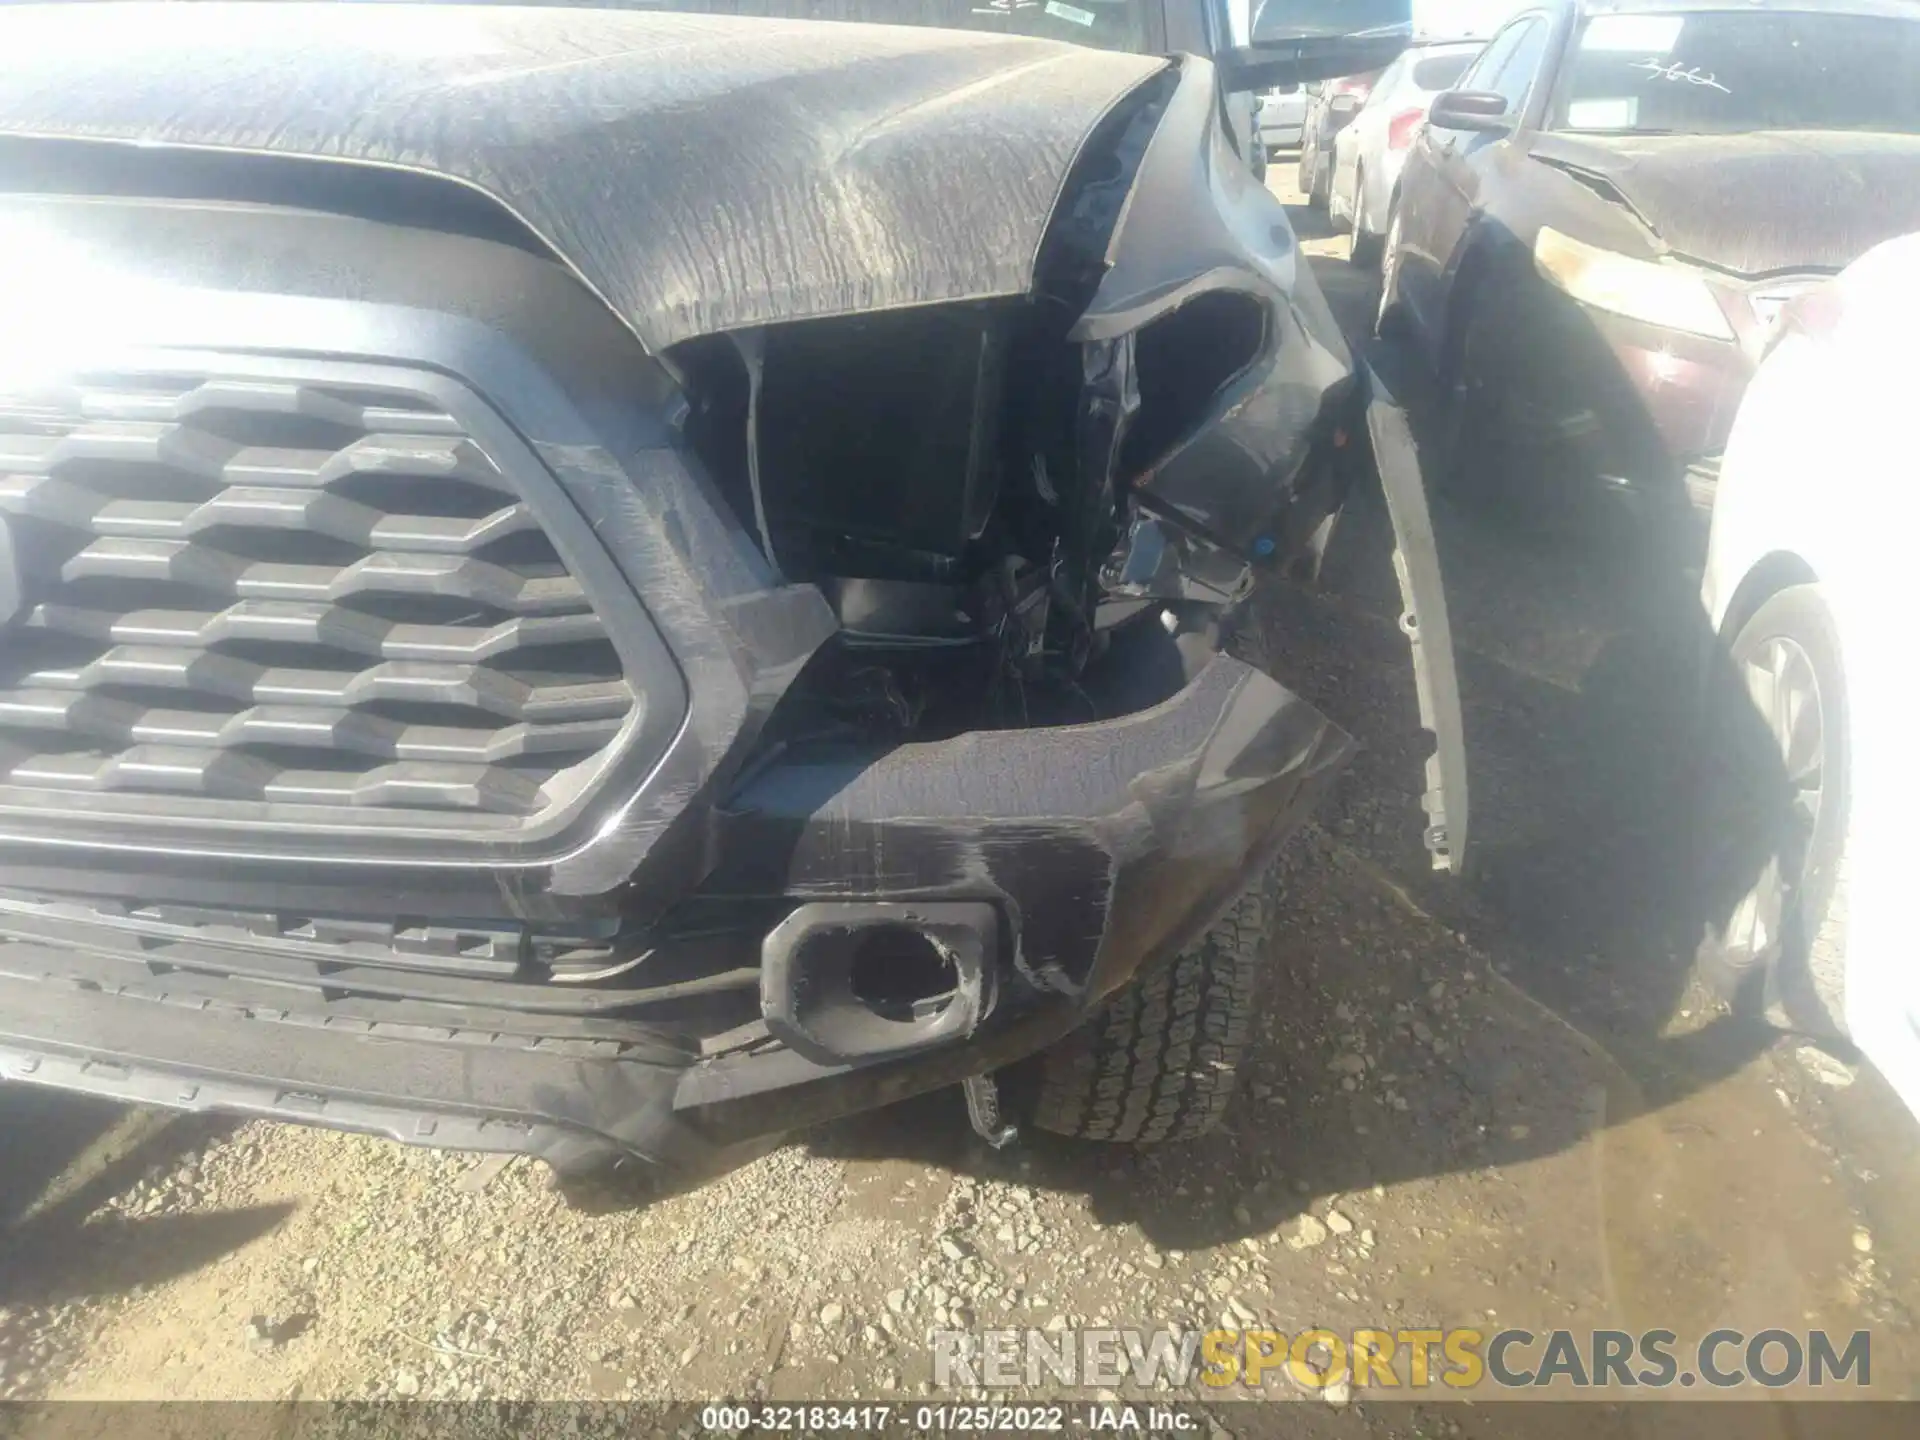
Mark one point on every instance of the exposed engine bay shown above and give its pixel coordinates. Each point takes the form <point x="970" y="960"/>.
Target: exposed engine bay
<point x="988" y="496"/>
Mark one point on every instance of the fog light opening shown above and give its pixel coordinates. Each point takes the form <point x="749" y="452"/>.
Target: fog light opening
<point x="900" y="973"/>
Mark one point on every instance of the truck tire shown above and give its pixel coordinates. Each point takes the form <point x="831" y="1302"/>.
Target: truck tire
<point x="1161" y="1060"/>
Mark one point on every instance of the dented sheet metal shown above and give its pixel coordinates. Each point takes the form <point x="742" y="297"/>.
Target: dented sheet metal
<point x="1106" y="844"/>
<point x="893" y="165"/>
<point x="1197" y="223"/>
<point x="1755" y="204"/>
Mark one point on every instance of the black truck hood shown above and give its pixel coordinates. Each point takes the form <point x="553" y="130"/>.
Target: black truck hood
<point x="1762" y="203"/>
<point x="700" y="173"/>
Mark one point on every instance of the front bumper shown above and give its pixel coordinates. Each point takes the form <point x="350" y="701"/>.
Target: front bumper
<point x="1688" y="390"/>
<point x="1100" y="847"/>
<point x="1636" y="414"/>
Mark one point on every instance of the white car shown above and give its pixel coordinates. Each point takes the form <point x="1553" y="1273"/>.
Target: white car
<point x="1368" y="153"/>
<point x="1283" y="111"/>
<point x="1813" y="541"/>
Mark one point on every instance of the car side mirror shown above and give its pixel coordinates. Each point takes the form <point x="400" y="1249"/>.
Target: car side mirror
<point x="1344" y="107"/>
<point x="1299" y="40"/>
<point x="1479" y="110"/>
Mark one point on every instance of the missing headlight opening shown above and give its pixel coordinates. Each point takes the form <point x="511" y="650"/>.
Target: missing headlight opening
<point x="1187" y="358"/>
<point x="956" y="477"/>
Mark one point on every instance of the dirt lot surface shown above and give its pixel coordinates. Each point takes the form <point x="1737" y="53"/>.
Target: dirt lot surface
<point x="1492" y="1104"/>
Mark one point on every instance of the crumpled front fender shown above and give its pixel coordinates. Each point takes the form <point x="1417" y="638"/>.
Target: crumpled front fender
<point x="1256" y="476"/>
<point x="1197" y="224"/>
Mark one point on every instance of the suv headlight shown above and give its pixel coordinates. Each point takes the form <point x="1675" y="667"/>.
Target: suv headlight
<point x="1663" y="295"/>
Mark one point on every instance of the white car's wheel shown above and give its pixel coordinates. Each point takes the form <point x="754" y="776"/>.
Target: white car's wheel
<point x="1778" y="816"/>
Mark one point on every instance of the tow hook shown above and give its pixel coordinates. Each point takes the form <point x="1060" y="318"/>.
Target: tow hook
<point x="983" y="1110"/>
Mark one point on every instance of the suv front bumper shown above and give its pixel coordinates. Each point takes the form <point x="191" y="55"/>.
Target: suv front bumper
<point x="1100" y="848"/>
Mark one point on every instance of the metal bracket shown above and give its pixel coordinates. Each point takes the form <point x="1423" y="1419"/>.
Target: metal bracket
<point x="983" y="1110"/>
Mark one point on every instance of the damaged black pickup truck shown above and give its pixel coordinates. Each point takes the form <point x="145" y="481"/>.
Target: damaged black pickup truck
<point x="609" y="582"/>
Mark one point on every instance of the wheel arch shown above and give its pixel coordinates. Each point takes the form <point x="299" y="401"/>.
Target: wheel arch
<point x="1775" y="571"/>
<point x="1475" y="266"/>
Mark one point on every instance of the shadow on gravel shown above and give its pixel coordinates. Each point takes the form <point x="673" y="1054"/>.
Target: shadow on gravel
<point x="66" y="1158"/>
<point x="1310" y="225"/>
<point x="42" y="1132"/>
<point x="112" y="1255"/>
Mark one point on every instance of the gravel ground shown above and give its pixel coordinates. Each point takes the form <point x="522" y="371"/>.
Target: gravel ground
<point x="1486" y="1103"/>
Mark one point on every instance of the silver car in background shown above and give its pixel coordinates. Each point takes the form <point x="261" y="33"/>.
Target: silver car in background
<point x="1283" y="114"/>
<point x="1369" y="151"/>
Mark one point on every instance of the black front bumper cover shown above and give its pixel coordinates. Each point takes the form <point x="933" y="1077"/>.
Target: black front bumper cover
<point x="1103" y="846"/>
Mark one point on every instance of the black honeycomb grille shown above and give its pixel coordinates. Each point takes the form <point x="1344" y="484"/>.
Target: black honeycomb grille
<point x="270" y="594"/>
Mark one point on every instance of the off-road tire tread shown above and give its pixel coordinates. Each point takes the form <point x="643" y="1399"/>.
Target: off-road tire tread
<point x="1159" y="1063"/>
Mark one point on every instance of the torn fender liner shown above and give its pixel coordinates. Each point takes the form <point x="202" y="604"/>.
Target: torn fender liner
<point x="1423" y="619"/>
<point x="659" y="155"/>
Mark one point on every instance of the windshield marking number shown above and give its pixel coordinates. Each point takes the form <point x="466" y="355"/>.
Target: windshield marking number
<point x="1677" y="71"/>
